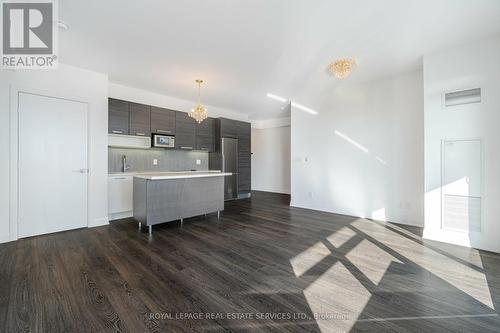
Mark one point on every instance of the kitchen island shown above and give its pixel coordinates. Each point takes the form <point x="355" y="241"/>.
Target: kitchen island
<point x="171" y="196"/>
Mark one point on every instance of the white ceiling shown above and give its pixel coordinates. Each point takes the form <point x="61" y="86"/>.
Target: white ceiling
<point x="244" y="49"/>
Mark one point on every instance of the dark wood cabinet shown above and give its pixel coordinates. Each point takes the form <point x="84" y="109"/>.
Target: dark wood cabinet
<point x="228" y="128"/>
<point x="244" y="180"/>
<point x="140" y="119"/>
<point x="243" y="129"/>
<point x="244" y="158"/>
<point x="162" y="121"/>
<point x="185" y="131"/>
<point x="118" y="116"/>
<point x="205" y="135"/>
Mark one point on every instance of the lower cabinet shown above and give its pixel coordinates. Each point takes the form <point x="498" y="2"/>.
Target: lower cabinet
<point x="120" y="196"/>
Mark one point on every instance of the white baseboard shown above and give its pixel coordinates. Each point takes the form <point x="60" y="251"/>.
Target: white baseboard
<point x="122" y="215"/>
<point x="356" y="215"/>
<point x="98" y="222"/>
<point x="279" y="191"/>
<point x="6" y="239"/>
<point x="458" y="238"/>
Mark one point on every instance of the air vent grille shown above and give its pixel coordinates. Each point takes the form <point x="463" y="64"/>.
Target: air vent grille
<point x="462" y="97"/>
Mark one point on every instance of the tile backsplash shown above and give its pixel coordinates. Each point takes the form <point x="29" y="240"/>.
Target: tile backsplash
<point x="141" y="160"/>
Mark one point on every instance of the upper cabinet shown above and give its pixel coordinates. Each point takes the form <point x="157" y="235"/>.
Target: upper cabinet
<point x="140" y="119"/>
<point x="228" y="128"/>
<point x="129" y="118"/>
<point x="185" y="131"/>
<point x="136" y="119"/>
<point x="162" y="121"/>
<point x="205" y="135"/>
<point x="118" y="122"/>
<point x="243" y="129"/>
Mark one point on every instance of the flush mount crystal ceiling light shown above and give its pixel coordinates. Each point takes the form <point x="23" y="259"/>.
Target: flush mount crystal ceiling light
<point x="200" y="112"/>
<point x="342" y="68"/>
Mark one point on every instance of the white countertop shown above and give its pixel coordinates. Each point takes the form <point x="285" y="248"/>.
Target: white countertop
<point x="172" y="175"/>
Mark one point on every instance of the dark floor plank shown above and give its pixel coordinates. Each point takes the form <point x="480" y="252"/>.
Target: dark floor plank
<point x="263" y="258"/>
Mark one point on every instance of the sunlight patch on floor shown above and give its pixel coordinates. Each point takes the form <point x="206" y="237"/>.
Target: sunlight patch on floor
<point x="336" y="284"/>
<point x="307" y="259"/>
<point x="339" y="237"/>
<point x="371" y="260"/>
<point x="468" y="280"/>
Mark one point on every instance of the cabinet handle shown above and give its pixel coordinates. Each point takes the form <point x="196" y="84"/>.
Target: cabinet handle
<point x="141" y="134"/>
<point x="203" y="148"/>
<point x="186" y="147"/>
<point x="163" y="131"/>
<point x="119" y="178"/>
<point x="117" y="132"/>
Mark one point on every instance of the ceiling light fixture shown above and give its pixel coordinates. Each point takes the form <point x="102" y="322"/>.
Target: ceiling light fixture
<point x="342" y="68"/>
<point x="200" y="112"/>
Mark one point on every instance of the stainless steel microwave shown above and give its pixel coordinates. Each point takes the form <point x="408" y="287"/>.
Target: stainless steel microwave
<point x="163" y="141"/>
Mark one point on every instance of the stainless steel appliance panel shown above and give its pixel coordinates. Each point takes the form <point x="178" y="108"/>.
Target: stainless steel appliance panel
<point x="163" y="141"/>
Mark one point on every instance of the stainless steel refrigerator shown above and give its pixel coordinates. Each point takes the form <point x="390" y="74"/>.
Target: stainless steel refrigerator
<point x="230" y="164"/>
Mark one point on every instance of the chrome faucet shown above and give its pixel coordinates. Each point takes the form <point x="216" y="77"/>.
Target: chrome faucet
<point x="125" y="167"/>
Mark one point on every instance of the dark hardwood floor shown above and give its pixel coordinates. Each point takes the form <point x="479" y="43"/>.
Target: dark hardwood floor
<point x="264" y="267"/>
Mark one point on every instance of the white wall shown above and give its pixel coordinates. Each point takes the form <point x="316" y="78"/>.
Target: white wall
<point x="146" y="97"/>
<point x="467" y="66"/>
<point x="271" y="159"/>
<point x="362" y="154"/>
<point x="66" y="82"/>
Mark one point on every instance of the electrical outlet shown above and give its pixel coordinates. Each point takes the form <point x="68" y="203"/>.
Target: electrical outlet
<point x="155" y="162"/>
<point x="198" y="162"/>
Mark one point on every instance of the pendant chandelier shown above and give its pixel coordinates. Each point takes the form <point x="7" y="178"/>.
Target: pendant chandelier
<point x="200" y="112"/>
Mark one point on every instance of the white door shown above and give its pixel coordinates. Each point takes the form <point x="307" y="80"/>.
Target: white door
<point x="52" y="165"/>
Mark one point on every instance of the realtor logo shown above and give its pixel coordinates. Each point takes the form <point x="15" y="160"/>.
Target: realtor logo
<point x="28" y="34"/>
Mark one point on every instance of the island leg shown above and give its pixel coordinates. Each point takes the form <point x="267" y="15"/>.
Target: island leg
<point x="150" y="229"/>
<point x="140" y="225"/>
<point x="218" y="215"/>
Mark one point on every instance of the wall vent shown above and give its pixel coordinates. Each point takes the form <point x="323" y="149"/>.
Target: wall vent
<point x="462" y="97"/>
